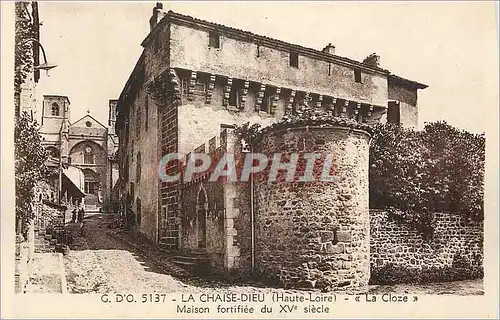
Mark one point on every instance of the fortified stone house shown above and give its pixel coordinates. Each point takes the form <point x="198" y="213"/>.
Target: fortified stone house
<point x="193" y="82"/>
<point x="85" y="144"/>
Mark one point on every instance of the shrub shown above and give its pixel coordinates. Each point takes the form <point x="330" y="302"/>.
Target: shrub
<point x="460" y="269"/>
<point x="416" y="173"/>
<point x="30" y="157"/>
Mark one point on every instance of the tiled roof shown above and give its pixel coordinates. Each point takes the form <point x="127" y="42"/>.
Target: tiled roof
<point x="398" y="79"/>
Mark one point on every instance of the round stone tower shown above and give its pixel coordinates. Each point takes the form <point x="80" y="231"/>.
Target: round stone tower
<point x="315" y="234"/>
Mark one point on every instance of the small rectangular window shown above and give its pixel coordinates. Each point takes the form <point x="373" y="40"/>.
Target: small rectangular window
<point x="233" y="97"/>
<point x="214" y="39"/>
<point x="266" y="102"/>
<point x="294" y="59"/>
<point x="357" y="76"/>
<point x="393" y="113"/>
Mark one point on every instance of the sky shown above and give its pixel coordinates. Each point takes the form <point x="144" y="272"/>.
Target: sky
<point x="452" y="46"/>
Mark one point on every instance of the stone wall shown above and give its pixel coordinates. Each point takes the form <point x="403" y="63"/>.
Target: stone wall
<point x="404" y="247"/>
<point x="227" y="212"/>
<point x="408" y="111"/>
<point x="146" y="185"/>
<point x="316" y="234"/>
<point x="189" y="49"/>
<point x="168" y="133"/>
<point x="408" y="115"/>
<point x="204" y="198"/>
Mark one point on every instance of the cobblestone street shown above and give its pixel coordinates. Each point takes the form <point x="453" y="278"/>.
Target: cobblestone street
<point x="100" y="262"/>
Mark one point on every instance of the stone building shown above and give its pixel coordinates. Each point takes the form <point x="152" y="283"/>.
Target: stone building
<point x="85" y="144"/>
<point x="193" y="82"/>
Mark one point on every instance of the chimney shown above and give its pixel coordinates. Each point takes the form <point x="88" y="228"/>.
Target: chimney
<point x="157" y="15"/>
<point x="330" y="49"/>
<point x="372" y="60"/>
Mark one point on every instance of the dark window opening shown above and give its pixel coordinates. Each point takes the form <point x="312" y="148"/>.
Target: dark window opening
<point x="393" y="112"/>
<point x="266" y="102"/>
<point x="357" y="76"/>
<point x="138" y="168"/>
<point x="329" y="69"/>
<point x="233" y="97"/>
<point x="214" y="39"/>
<point x="335" y="236"/>
<point x="138" y="121"/>
<point x="258" y="50"/>
<point x="294" y="59"/>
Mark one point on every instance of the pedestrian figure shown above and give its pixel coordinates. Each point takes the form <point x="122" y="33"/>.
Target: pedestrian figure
<point x="73" y="218"/>
<point x="80" y="215"/>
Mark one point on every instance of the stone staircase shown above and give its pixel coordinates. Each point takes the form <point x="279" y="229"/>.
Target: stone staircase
<point x="92" y="203"/>
<point x="195" y="261"/>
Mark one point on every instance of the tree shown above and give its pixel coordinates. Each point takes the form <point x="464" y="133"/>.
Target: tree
<point x="30" y="157"/>
<point x="414" y="174"/>
<point x="24" y="30"/>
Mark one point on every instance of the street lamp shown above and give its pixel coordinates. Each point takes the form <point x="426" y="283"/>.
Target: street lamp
<point x="44" y="66"/>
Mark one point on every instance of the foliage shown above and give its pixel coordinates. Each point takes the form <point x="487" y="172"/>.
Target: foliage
<point x="304" y="116"/>
<point x="30" y="157"/>
<point x="416" y="173"/>
<point x="24" y="30"/>
<point x="460" y="269"/>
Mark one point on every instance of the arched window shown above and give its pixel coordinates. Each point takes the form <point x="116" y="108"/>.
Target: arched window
<point x="88" y="156"/>
<point x="138" y="169"/>
<point x="54" y="111"/>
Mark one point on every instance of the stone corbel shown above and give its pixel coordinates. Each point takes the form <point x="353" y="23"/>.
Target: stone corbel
<point x="244" y="94"/>
<point x="334" y="105"/>
<point x="210" y="89"/>
<point x="274" y="101"/>
<point x="370" y="111"/>
<point x="156" y="89"/>
<point x="291" y="100"/>
<point x="319" y="102"/>
<point x="260" y="97"/>
<point x="343" y="112"/>
<point x="356" y="111"/>
<point x="307" y="99"/>
<point x="227" y="91"/>
<point x="175" y="83"/>
<point x="192" y="84"/>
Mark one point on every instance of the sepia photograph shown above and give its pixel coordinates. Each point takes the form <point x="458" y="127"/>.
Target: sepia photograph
<point x="250" y="159"/>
